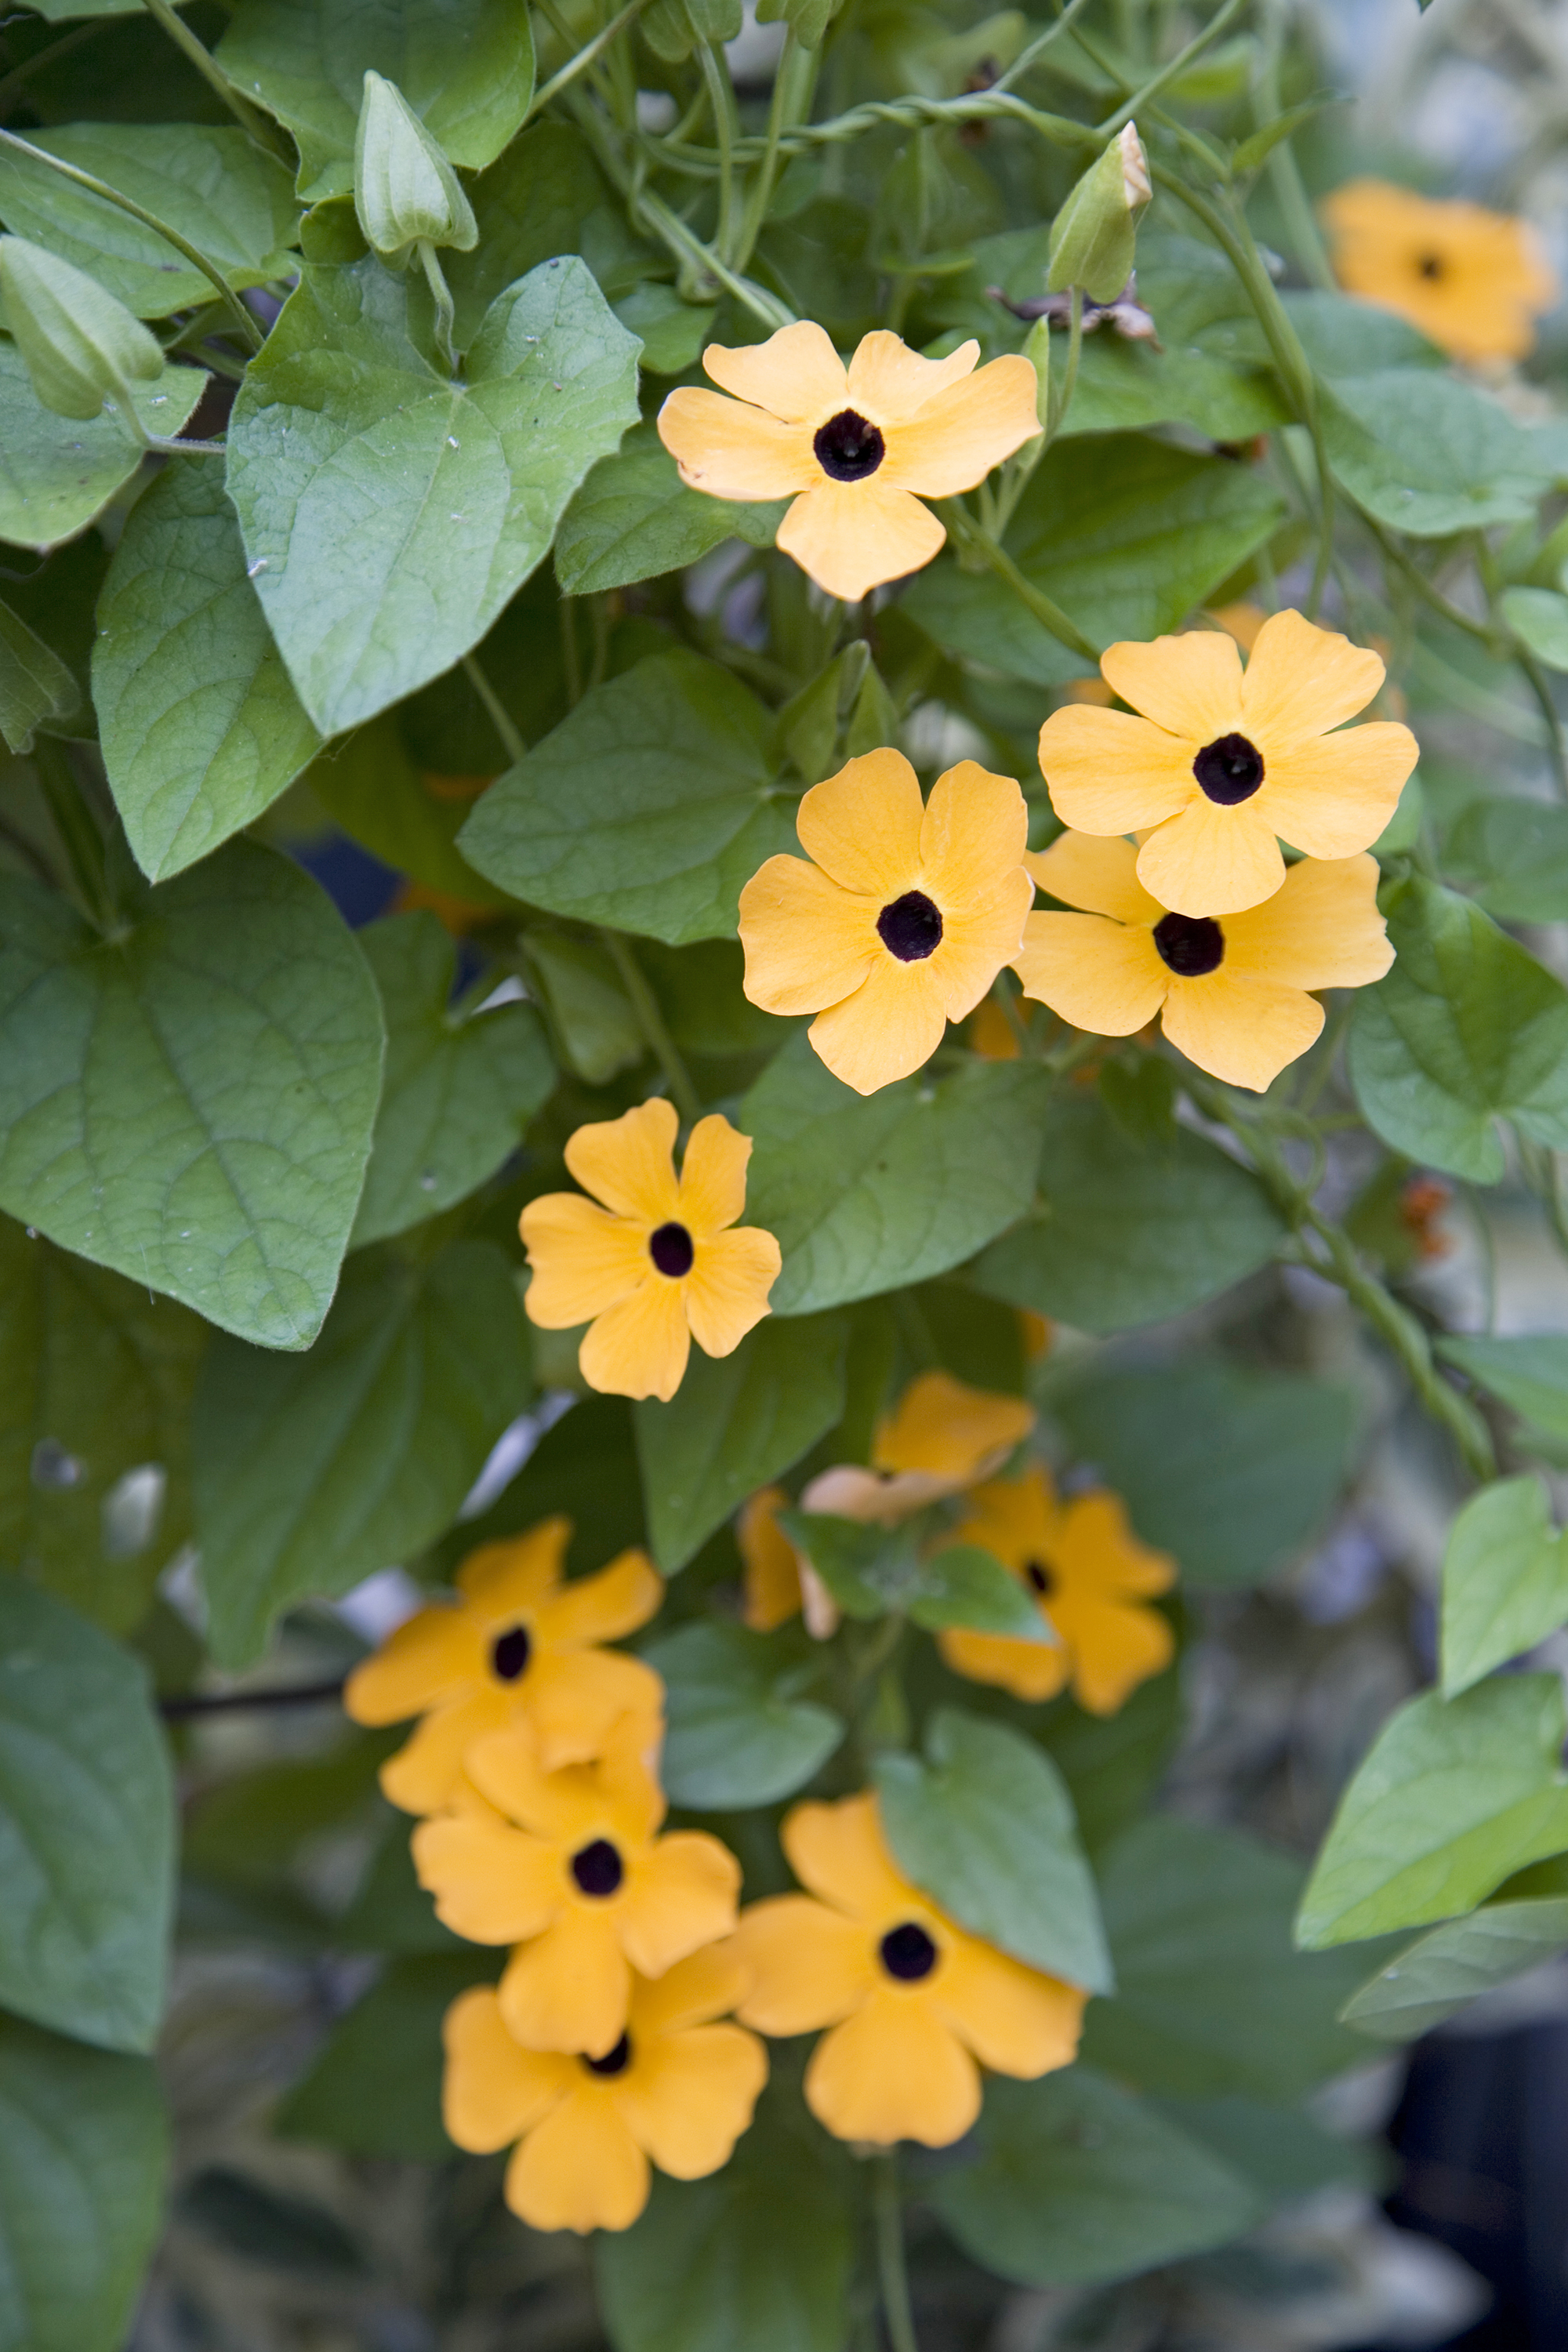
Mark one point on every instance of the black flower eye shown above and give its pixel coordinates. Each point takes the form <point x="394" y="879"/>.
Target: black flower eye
<point x="849" y="446"/>
<point x="910" y="928"/>
<point x="598" y="1868"/>
<point x="509" y="1653"/>
<point x="672" y="1250"/>
<point x="1229" y="770"/>
<point x="613" y="2062"/>
<point x="1191" y="944"/>
<point x="907" y="1952"/>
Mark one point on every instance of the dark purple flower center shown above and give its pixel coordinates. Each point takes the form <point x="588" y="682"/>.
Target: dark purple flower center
<point x="1191" y="944"/>
<point x="613" y="2062"/>
<point x="849" y="446"/>
<point x="598" y="1868"/>
<point x="1430" y="264"/>
<point x="910" y="928"/>
<point x="1229" y="770"/>
<point x="509" y="1653"/>
<point x="1041" y="1579"/>
<point x="908" y="1952"/>
<point x="671" y="1250"/>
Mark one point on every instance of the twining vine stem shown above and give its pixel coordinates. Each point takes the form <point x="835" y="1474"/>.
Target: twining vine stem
<point x="889" y="2212"/>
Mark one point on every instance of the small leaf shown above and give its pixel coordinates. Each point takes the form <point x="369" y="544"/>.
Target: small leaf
<point x="634" y="517"/>
<point x="1442" y="1972"/>
<point x="1505" y="1581"/>
<point x="1538" y="616"/>
<point x="36" y="687"/>
<point x="873" y="1571"/>
<point x="56" y="475"/>
<point x="1528" y="1372"/>
<point x="964" y="1585"/>
<point x="1430" y="454"/>
<point x="738" y="1734"/>
<point x="1512" y="856"/>
<point x="1256" y="150"/>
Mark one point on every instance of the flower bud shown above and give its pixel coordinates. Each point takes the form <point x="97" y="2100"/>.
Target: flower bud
<point x="1038" y="352"/>
<point x="1092" y="240"/>
<point x="406" y="192"/>
<point x="79" y="345"/>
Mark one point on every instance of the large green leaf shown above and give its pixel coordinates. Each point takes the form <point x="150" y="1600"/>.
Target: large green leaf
<point x="83" y="2151"/>
<point x="312" y="1471"/>
<point x="1505" y="1581"/>
<point x="1126" y="534"/>
<point x="86" y="1827"/>
<point x="1466" y="1029"/>
<point x="97" y="1379"/>
<point x="57" y="472"/>
<point x="200" y="724"/>
<point x="390" y="510"/>
<point x="222" y="1053"/>
<point x="352" y="2098"/>
<point x="649" y="808"/>
<point x="460" y="1085"/>
<point x="223" y="195"/>
<point x="1440" y="1972"/>
<point x="1129" y="1230"/>
<point x="870" y="1192"/>
<point x="1077" y="2181"/>
<point x="740" y="1733"/>
<point x="466" y="67"/>
<point x="1512" y="856"/>
<point x="634" y="517"/>
<point x="986" y="1826"/>
<point x="1232" y="1471"/>
<point x="1529" y="1372"/>
<point x="1455" y="1795"/>
<point x="734" y="1423"/>
<point x="1430" y="454"/>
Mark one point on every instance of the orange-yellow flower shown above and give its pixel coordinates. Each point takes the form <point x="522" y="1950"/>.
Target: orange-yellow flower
<point x="943" y="1436"/>
<point x="662" y="1262"/>
<point x="1092" y="1579"/>
<point x="901" y="921"/>
<point x="569" y="1866"/>
<point x="1473" y="282"/>
<point x="676" y="2088"/>
<point x="1230" y="990"/>
<point x="1222" y="761"/>
<point x="519" y="1645"/>
<point x="857" y="448"/>
<point x="911" y="1999"/>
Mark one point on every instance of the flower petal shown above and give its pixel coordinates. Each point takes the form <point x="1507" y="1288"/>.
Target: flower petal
<point x="424" y="1774"/>
<point x="503" y="1579"/>
<point x="713" y="1176"/>
<point x="638" y="1348"/>
<point x="852" y="537"/>
<point x="839" y="1851"/>
<point x="768" y="1558"/>
<point x="805" y="1965"/>
<point x="705" y="1985"/>
<point x="1333" y="795"/>
<point x="888" y="382"/>
<point x="1301" y="680"/>
<point x="1016" y="2020"/>
<point x="731" y="451"/>
<point x="1094" y="1548"/>
<point x="1323" y="929"/>
<point x="629" y="1163"/>
<point x="795" y="375"/>
<point x="1212" y="860"/>
<point x="571" y="1698"/>
<point x="726" y="1288"/>
<point x="808" y="943"/>
<point x="580" y="2169"/>
<point x="1032" y="1671"/>
<point x="975" y="831"/>
<point x="582" y="1259"/>
<point x="494" y="2090"/>
<point x="1096" y="872"/>
<point x="688" y="2097"/>
<point x="432" y="1657"/>
<point x="680" y="1895"/>
<point x="894" y="2071"/>
<point x="942" y="1424"/>
<point x="492" y="1884"/>
<point x="1190" y="685"/>
<point x="1114" y="1646"/>
<point x="978" y="941"/>
<point x="893" y="1023"/>
<point x="1109" y="773"/>
<point x="863" y="828"/>
<point x="960" y="435"/>
<point x="1242" y="1031"/>
<point x="1104" y="977"/>
<point x="568" y="1989"/>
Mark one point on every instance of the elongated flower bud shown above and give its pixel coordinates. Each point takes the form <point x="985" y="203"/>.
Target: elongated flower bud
<point x="1094" y="239"/>
<point x="406" y="192"/>
<point x="80" y="346"/>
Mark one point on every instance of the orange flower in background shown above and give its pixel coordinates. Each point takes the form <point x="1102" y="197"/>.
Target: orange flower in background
<point x="1223" y="761"/>
<point x="856" y="447"/>
<point x="912" y="2001"/>
<point x="1473" y="282"/>
<point x="904" y="917"/>
<point x="520" y="1644"/>
<point x="676" y="2088"/>
<point x="942" y="1438"/>
<point x="662" y="1262"/>
<point x="1092" y="1579"/>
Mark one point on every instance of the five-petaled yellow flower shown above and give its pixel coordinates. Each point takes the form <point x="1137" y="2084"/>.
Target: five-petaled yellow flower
<point x="1473" y="282"/>
<point x="570" y="1867"/>
<point x="520" y="1644"/>
<point x="1093" y="1581"/>
<point x="901" y="921"/>
<point x="1231" y="990"/>
<point x="911" y="1999"/>
<point x="857" y="448"/>
<point x="1222" y="761"/>
<point x="942" y="1437"/>
<point x="676" y="2088"/>
<point x="662" y="1263"/>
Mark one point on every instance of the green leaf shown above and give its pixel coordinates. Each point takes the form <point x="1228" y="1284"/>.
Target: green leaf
<point x="1076" y="2182"/>
<point x="874" y="1571"/>
<point x="1455" y="1795"/>
<point x="634" y="517"/>
<point x="1540" y="617"/>
<point x="1344" y="336"/>
<point x="460" y="1086"/>
<point x="1210" y="1998"/>
<point x="312" y="1471"/>
<point x="224" y="1051"/>
<point x="223" y="195"/>
<point x="1442" y="1972"/>
<point x="1430" y="454"/>
<point x="86" y="1827"/>
<point x="56" y="473"/>
<point x="466" y="67"/>
<point x="964" y="1585"/>
<point x="673" y="333"/>
<point x="591" y="1019"/>
<point x="1505" y="1581"/>
<point x="375" y="2088"/>
<point x="544" y="196"/>
<point x="734" y="1423"/>
<point x="808" y="19"/>
<point x="585" y="1466"/>
<point x="97" y="1385"/>
<point x="1126" y="534"/>
<point x="867" y="1194"/>
<point x="199" y="721"/>
<point x="1466" y="1029"/>
<point x="389" y="510"/>
<point x="1279" y="2152"/>
<point x="649" y="808"/>
<point x="84" y="2147"/>
<point x="1529" y="1374"/>
<point x="1232" y="1471"/>
<point x="1512" y="857"/>
<point x="36" y="687"/>
<point x="739" y="1733"/>
<point x="985" y="1826"/>
<point x="369" y="783"/>
<point x="1255" y="150"/>
<point x="1129" y="1232"/>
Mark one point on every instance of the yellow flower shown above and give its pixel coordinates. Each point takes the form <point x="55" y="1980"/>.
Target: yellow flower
<point x="655" y="1267"/>
<point x="902" y="920"/>
<point x="912" y="2000"/>
<point x="675" y="2087"/>
<point x="1092" y="1577"/>
<point x="943" y="1436"/>
<point x="569" y="1866"/>
<point x="1231" y="991"/>
<point x="1473" y="282"/>
<point x="1223" y="761"/>
<point x="520" y="1646"/>
<point x="856" y="447"/>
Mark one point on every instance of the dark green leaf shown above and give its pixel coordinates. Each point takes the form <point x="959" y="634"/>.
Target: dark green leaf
<point x="1505" y="1581"/>
<point x="1529" y="1372"/>
<point x="36" y="690"/>
<point x="739" y="1733"/>
<point x="374" y="2089"/>
<point x="635" y="517"/>
<point x="1430" y="454"/>
<point x="1279" y="2152"/>
<point x="1442" y="1972"/>
<point x="1512" y="857"/>
<point x="57" y="473"/>
<point x="369" y="785"/>
<point x="585" y="1466"/>
<point x="544" y="196"/>
<point x="1344" y="336"/>
<point x="1540" y="617"/>
<point x="873" y="1571"/>
<point x="391" y="1912"/>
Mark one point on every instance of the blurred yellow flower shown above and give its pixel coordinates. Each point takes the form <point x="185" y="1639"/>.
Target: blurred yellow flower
<point x="1473" y="282"/>
<point x="943" y="1436"/>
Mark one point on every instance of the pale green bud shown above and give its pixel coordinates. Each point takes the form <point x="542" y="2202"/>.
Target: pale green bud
<point x="1038" y="352"/>
<point x="406" y="192"/>
<point x="1093" y="236"/>
<point x="79" y="345"/>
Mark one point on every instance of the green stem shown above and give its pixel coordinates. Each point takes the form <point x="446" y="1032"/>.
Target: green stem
<point x="249" y="119"/>
<point x="1543" y="693"/>
<point x="795" y="84"/>
<point x="1140" y="98"/>
<point x="441" y="295"/>
<point x="1041" y="42"/>
<point x="567" y="74"/>
<point x="688" y="247"/>
<point x="651" y="1021"/>
<point x="1290" y="194"/>
<point x="1060" y="396"/>
<point x="73" y="821"/>
<point x="888" y="2207"/>
<point x="726" y="125"/>
<point x="965" y="530"/>
<point x="507" y="733"/>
